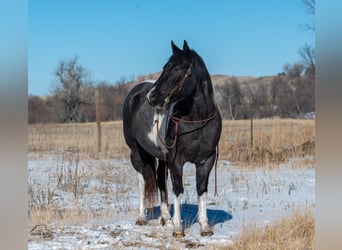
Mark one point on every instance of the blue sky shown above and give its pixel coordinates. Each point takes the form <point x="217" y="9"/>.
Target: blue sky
<point x="126" y="38"/>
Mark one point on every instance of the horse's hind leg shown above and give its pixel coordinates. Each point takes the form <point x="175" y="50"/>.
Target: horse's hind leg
<point x="141" y="220"/>
<point x="202" y="177"/>
<point x="162" y="185"/>
<point x="144" y="163"/>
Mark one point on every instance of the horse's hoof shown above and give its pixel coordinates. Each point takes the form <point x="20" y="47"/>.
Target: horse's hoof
<point x="207" y="233"/>
<point x="141" y="222"/>
<point x="178" y="235"/>
<point x="162" y="221"/>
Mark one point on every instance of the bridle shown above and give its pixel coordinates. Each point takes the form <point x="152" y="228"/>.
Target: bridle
<point x="176" y="119"/>
<point x="180" y="84"/>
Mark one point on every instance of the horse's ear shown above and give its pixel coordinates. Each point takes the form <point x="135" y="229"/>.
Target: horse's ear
<point x="174" y="48"/>
<point x="186" y="49"/>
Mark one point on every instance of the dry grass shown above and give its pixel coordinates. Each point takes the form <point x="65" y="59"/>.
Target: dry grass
<point x="296" y="232"/>
<point x="78" y="138"/>
<point x="274" y="141"/>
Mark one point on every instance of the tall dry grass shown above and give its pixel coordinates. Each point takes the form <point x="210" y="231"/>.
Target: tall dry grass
<point x="295" y="232"/>
<point x="274" y="141"/>
<point x="80" y="137"/>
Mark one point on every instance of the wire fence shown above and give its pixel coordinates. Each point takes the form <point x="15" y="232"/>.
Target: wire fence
<point x="269" y="141"/>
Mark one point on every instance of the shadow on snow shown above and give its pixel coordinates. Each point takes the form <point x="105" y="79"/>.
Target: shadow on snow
<point x="189" y="215"/>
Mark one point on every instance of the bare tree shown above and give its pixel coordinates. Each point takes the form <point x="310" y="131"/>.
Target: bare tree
<point x="307" y="54"/>
<point x="112" y="98"/>
<point x="309" y="6"/>
<point x="261" y="102"/>
<point x="71" y="90"/>
<point x="293" y="70"/>
<point x="292" y="94"/>
<point x="232" y="95"/>
<point x="39" y="110"/>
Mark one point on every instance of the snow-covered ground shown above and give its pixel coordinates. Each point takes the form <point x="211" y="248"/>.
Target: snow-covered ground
<point x="100" y="211"/>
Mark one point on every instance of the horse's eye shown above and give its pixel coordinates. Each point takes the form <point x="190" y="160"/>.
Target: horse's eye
<point x="176" y="69"/>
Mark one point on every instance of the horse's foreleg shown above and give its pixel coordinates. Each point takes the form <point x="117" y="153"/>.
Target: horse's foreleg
<point x="177" y="222"/>
<point x="178" y="190"/>
<point x="202" y="177"/>
<point x="141" y="220"/>
<point x="162" y="185"/>
<point x="206" y="230"/>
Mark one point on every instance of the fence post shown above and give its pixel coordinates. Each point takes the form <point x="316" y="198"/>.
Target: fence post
<point x="98" y="120"/>
<point x="251" y="117"/>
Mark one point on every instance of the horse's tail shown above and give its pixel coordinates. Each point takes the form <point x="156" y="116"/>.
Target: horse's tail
<point x="151" y="189"/>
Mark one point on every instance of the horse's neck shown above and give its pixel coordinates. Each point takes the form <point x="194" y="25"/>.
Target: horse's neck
<point x="205" y="96"/>
<point x="202" y="103"/>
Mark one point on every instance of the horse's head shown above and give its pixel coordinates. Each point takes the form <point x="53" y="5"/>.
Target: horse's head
<point x="176" y="81"/>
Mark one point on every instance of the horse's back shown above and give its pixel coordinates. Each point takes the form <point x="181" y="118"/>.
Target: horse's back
<point x="135" y="98"/>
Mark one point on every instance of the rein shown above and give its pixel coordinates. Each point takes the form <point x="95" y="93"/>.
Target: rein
<point x="176" y="121"/>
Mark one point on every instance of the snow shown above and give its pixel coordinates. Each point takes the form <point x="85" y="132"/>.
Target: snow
<point x="310" y="115"/>
<point x="108" y="200"/>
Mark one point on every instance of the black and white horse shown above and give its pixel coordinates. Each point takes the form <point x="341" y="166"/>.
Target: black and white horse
<point x="168" y="123"/>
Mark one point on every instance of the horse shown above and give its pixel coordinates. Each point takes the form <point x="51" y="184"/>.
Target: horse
<point x="168" y="123"/>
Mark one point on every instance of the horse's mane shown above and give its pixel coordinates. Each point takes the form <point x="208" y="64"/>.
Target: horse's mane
<point x="201" y="69"/>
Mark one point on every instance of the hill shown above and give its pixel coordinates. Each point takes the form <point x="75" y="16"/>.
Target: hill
<point x="218" y="80"/>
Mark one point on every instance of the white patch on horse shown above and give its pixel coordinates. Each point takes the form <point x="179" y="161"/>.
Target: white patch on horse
<point x="160" y="123"/>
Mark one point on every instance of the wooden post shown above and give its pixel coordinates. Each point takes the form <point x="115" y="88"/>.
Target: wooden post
<point x="251" y="117"/>
<point x="251" y="132"/>
<point x="98" y="120"/>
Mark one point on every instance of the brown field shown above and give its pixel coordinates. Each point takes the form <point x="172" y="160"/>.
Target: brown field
<point x="274" y="141"/>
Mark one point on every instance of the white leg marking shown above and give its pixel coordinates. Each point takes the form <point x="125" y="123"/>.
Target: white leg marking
<point x="177" y="214"/>
<point x="164" y="211"/>
<point x="202" y="210"/>
<point x="142" y="196"/>
<point x="202" y="215"/>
